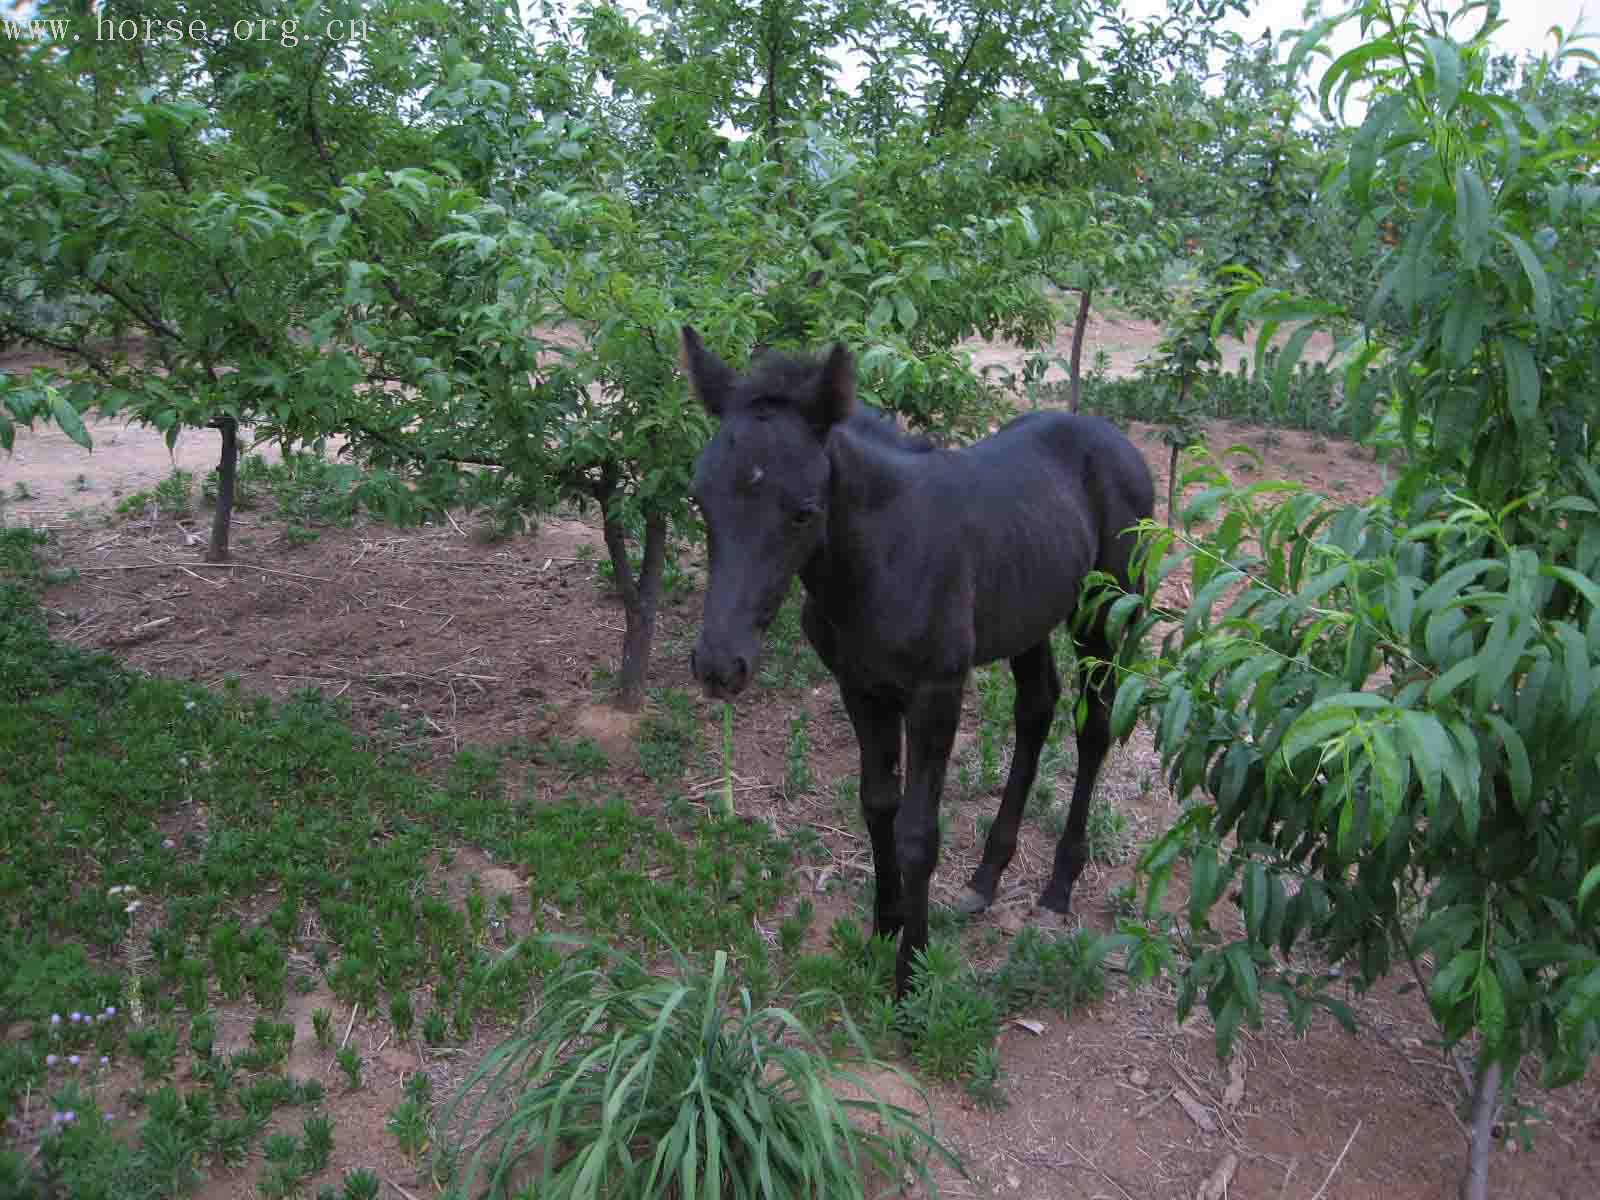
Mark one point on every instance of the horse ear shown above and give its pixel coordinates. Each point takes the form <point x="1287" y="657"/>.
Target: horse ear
<point x="710" y="377"/>
<point x="836" y="390"/>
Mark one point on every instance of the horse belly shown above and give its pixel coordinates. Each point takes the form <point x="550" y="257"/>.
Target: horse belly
<point x="1024" y="590"/>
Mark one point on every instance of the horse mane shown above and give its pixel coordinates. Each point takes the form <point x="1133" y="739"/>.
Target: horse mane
<point x="880" y="426"/>
<point x="776" y="379"/>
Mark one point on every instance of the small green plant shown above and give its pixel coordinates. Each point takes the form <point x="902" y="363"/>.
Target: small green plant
<point x="947" y="1013"/>
<point x="1110" y="841"/>
<point x="349" y="1061"/>
<point x="668" y="736"/>
<point x="797" y="776"/>
<point x="20" y="491"/>
<point x="686" y="1067"/>
<point x="362" y="1185"/>
<point x="984" y="1080"/>
<point x="173" y="494"/>
<point x="409" y="1121"/>
<point x="299" y="535"/>
<point x="434" y="1029"/>
<point x="400" y="1013"/>
<point x="322" y="1026"/>
<point x="1063" y="971"/>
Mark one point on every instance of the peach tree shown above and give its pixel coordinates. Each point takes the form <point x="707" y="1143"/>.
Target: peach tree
<point x="1387" y="713"/>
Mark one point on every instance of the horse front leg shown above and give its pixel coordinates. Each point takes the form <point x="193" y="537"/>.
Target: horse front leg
<point x="877" y="724"/>
<point x="931" y="720"/>
<point x="1094" y="739"/>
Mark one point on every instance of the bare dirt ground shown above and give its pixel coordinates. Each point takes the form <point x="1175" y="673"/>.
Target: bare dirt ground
<point x="453" y="641"/>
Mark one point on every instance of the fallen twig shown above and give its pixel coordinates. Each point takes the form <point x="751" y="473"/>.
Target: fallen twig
<point x="1334" y="1169"/>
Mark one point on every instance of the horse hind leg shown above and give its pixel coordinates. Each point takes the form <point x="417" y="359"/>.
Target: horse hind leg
<point x="1038" y="690"/>
<point x="1094" y="740"/>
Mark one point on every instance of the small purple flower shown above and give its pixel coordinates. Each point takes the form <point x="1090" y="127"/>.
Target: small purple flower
<point x="74" y="1059"/>
<point x="50" y="1060"/>
<point x="111" y="1011"/>
<point x="167" y="843"/>
<point x="68" y="1117"/>
<point x="105" y="1060"/>
<point x="76" y="1017"/>
<point x="55" y="1018"/>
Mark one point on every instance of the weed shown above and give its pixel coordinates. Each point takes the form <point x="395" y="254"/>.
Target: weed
<point x="433" y="1028"/>
<point x="20" y="491"/>
<point x="581" y="758"/>
<point x="688" y="1068"/>
<point x="409" y="1122"/>
<point x="349" y="1061"/>
<point x="173" y="494"/>
<point x="668" y="736"/>
<point x="1109" y="838"/>
<point x="947" y="1013"/>
<point x="322" y="1026"/>
<point x="797" y="776"/>
<point x="400" y="1014"/>
<point x="362" y="1185"/>
<point x="983" y="1082"/>
<point x="1063" y="971"/>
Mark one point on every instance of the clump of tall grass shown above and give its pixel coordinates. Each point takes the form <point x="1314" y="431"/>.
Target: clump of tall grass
<point x="626" y="1084"/>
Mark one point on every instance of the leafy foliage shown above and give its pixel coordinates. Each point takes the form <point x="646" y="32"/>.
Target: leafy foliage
<point x="1390" y="707"/>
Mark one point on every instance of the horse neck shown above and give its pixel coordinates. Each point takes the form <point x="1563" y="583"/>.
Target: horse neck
<point x="867" y="476"/>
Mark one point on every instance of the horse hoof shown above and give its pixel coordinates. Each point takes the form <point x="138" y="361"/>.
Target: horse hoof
<point x="1060" y="905"/>
<point x="970" y="902"/>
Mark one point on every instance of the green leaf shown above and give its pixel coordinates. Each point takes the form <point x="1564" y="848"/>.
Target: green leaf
<point x="1586" y="889"/>
<point x="1522" y="382"/>
<point x="68" y="420"/>
<point x="1491" y="1009"/>
<point x="1464" y="323"/>
<point x="906" y="311"/>
<point x="1534" y="270"/>
<point x="1464" y="779"/>
<point x="1288" y="357"/>
<point x="1448" y="985"/>
<point x="1125" y="708"/>
<point x="1517" y="762"/>
<point x="1508" y="635"/>
<point x="1446" y="60"/>
<point x="1256" y="899"/>
<point x="1473" y="213"/>
<point x="1242" y="969"/>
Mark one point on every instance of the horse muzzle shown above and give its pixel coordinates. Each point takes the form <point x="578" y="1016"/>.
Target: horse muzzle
<point x="722" y="675"/>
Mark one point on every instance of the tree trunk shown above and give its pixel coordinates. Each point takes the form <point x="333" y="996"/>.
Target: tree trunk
<point x="227" y="471"/>
<point x="640" y="599"/>
<point x="1485" y="1104"/>
<point x="1079" y="327"/>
